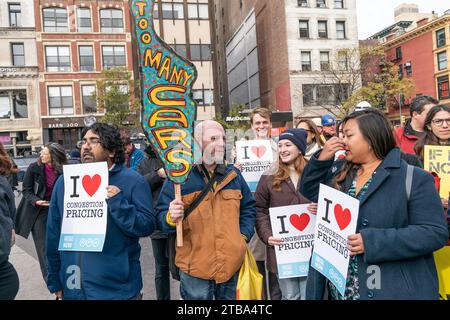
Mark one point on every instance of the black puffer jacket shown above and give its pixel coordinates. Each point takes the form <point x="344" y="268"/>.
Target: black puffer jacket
<point x="7" y="213"/>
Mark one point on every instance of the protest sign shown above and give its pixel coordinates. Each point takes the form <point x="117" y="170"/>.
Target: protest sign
<point x="256" y="156"/>
<point x="85" y="208"/>
<point x="437" y="159"/>
<point x="337" y="215"/>
<point x="295" y="226"/>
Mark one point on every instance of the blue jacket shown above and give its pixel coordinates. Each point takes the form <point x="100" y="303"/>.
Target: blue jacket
<point x="135" y="158"/>
<point x="399" y="235"/>
<point x="114" y="273"/>
<point x="213" y="246"/>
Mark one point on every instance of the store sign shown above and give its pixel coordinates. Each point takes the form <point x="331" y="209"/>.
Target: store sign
<point x="63" y="125"/>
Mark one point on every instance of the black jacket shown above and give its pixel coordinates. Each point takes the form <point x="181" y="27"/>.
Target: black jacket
<point x="7" y="212"/>
<point x="148" y="168"/>
<point x="33" y="189"/>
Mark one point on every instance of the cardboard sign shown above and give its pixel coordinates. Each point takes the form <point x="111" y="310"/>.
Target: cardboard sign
<point x="85" y="209"/>
<point x="256" y="156"/>
<point x="337" y="215"/>
<point x="437" y="159"/>
<point x="169" y="111"/>
<point x="295" y="225"/>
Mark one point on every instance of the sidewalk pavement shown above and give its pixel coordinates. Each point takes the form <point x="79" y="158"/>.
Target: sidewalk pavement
<point x="31" y="284"/>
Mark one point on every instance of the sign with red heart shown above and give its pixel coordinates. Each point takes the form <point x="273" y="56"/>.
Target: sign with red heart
<point x="300" y="222"/>
<point x="91" y="184"/>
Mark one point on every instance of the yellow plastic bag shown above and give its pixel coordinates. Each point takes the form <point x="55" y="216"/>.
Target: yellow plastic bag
<point x="250" y="281"/>
<point x="442" y="260"/>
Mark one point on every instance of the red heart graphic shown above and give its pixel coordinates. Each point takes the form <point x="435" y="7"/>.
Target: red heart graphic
<point x="258" y="151"/>
<point x="343" y="217"/>
<point x="91" y="185"/>
<point x="300" y="222"/>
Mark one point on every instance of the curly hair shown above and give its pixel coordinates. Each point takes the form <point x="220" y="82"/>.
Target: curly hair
<point x="109" y="139"/>
<point x="5" y="162"/>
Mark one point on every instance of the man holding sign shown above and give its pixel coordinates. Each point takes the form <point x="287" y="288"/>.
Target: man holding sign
<point x="107" y="267"/>
<point x="400" y="222"/>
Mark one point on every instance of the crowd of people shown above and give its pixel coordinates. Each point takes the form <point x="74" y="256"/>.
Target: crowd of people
<point x="363" y="156"/>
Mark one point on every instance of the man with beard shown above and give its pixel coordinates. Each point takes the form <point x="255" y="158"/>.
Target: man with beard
<point x="114" y="273"/>
<point x="216" y="229"/>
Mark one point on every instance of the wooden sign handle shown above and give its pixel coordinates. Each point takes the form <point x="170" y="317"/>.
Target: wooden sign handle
<point x="179" y="222"/>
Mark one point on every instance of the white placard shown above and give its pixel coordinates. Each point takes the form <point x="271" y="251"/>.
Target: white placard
<point x="295" y="225"/>
<point x="337" y="215"/>
<point x="256" y="156"/>
<point x="85" y="209"/>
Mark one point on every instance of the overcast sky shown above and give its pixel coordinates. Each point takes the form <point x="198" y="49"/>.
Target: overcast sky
<point x="375" y="15"/>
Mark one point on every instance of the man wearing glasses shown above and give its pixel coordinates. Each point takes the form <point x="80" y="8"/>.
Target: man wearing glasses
<point x="115" y="273"/>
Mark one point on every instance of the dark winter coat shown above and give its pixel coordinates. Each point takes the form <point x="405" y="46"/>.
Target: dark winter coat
<point x="7" y="212"/>
<point x="399" y="235"/>
<point x="266" y="197"/>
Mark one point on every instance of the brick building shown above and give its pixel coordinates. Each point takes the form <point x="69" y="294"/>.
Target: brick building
<point x="75" y="41"/>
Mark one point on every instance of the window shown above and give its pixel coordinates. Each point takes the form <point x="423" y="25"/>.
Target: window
<point x="18" y="54"/>
<point x="341" y="93"/>
<point x="339" y="4"/>
<point x="181" y="49"/>
<point x="325" y="94"/>
<point x="306" y="61"/>
<point x="308" y="94"/>
<point x="156" y="11"/>
<point x="88" y="99"/>
<point x="200" y="52"/>
<point x="198" y="11"/>
<point x="86" y="58"/>
<point x="60" y="100"/>
<point x="321" y="4"/>
<point x="443" y="88"/>
<point x="203" y="97"/>
<point x="55" y="19"/>
<point x="324" y="61"/>
<point x="304" y="29"/>
<point x="440" y="38"/>
<point x="13" y="102"/>
<point x="442" y="60"/>
<point x="172" y="10"/>
<point x="14" y="15"/>
<point x="84" y="20"/>
<point x="408" y="69"/>
<point x="113" y="56"/>
<point x="342" y="60"/>
<point x="111" y="20"/>
<point x="400" y="71"/>
<point x="323" y="30"/>
<point x="302" y="3"/>
<point x="340" y="30"/>
<point x="398" y="53"/>
<point x="57" y="58"/>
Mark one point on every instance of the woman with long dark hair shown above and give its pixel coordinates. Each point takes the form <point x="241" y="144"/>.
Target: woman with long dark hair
<point x="281" y="189"/>
<point x="436" y="129"/>
<point x="9" y="281"/>
<point x="36" y="190"/>
<point x="398" y="228"/>
<point x="313" y="140"/>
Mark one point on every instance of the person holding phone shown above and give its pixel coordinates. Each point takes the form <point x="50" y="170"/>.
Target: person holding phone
<point x="37" y="189"/>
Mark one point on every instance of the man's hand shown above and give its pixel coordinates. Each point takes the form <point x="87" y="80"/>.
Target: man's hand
<point x="162" y="173"/>
<point x="312" y="208"/>
<point x="176" y="210"/>
<point x="111" y="191"/>
<point x="330" y="148"/>
<point x="42" y="203"/>
<point x="272" y="241"/>
<point x="355" y="244"/>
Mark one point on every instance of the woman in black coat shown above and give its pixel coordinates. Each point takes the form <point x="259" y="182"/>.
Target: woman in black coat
<point x="9" y="281"/>
<point x="36" y="190"/>
<point x="400" y="224"/>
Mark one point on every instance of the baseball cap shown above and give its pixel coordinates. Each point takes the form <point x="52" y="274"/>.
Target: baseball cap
<point x="328" y="120"/>
<point x="317" y="122"/>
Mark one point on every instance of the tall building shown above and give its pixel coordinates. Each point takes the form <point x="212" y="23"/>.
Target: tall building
<point x="76" y="40"/>
<point x="185" y="26"/>
<point x="278" y="53"/>
<point x="20" y="128"/>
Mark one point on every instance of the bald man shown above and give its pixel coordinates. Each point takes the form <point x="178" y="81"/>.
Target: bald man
<point x="216" y="229"/>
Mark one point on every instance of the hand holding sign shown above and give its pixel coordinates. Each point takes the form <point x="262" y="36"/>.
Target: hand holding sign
<point x="111" y="191"/>
<point x="355" y="244"/>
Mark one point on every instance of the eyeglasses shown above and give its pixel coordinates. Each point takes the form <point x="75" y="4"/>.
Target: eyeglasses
<point x="92" y="142"/>
<point x="440" y="122"/>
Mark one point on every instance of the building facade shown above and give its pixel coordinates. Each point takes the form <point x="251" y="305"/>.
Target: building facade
<point x="76" y="40"/>
<point x="296" y="42"/>
<point x="20" y="128"/>
<point x="185" y="26"/>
